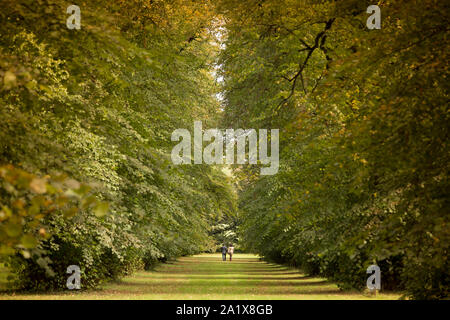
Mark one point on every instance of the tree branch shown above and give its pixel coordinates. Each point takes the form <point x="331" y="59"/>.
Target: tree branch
<point x="319" y="42"/>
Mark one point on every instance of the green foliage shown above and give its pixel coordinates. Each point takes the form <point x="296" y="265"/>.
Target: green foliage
<point x="27" y="200"/>
<point x="99" y="105"/>
<point x="363" y="118"/>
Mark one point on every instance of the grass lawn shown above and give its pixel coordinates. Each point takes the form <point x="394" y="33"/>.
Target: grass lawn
<point x="206" y="276"/>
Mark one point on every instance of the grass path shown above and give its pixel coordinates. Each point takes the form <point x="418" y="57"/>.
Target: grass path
<point x="206" y="276"/>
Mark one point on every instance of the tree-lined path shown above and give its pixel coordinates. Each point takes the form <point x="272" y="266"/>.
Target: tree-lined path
<point x="207" y="277"/>
<point x="145" y="134"/>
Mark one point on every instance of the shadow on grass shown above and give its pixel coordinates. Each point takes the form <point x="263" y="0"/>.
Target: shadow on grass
<point x="241" y="283"/>
<point x="236" y="288"/>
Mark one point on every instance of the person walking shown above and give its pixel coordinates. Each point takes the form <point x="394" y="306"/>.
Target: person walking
<point x="224" y="252"/>
<point x="230" y="250"/>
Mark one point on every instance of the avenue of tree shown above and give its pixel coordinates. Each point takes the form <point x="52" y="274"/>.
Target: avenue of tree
<point x="86" y="176"/>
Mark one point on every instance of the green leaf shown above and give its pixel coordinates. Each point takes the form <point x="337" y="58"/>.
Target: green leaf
<point x="69" y="213"/>
<point x="6" y="250"/>
<point x="86" y="202"/>
<point x="83" y="190"/>
<point x="13" y="229"/>
<point x="101" y="209"/>
<point x="28" y="241"/>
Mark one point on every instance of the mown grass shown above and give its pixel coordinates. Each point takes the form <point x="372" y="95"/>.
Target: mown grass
<point x="208" y="277"/>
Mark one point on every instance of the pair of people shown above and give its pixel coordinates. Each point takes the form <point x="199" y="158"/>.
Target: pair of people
<point x="229" y="250"/>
